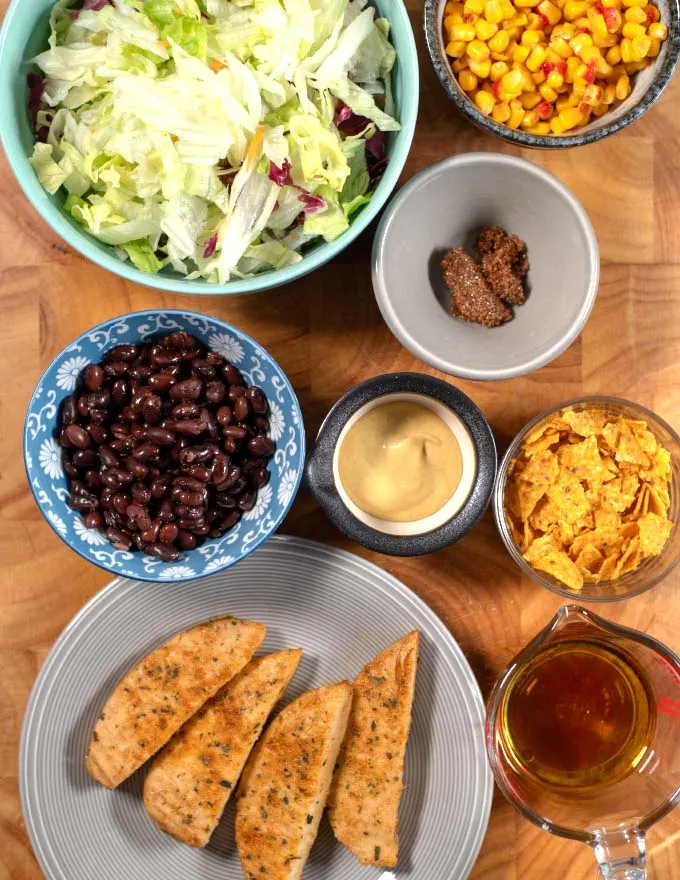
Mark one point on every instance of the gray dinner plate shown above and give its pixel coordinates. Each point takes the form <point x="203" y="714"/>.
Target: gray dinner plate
<point x="342" y="611"/>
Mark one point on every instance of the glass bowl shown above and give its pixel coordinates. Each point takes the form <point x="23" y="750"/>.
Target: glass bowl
<point x="652" y="570"/>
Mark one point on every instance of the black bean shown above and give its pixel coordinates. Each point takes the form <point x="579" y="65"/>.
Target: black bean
<point x="202" y="368"/>
<point x="215" y="391"/>
<point x="188" y="484"/>
<point x="167" y="534"/>
<point x="195" y="455"/>
<point x="200" y="472"/>
<point x="83" y="502"/>
<point x="230" y="445"/>
<point x="85" y="458"/>
<point x="187" y="427"/>
<point x="151" y="409"/>
<point x="93" y="481"/>
<point x="78" y="436"/>
<point x="261" y="424"/>
<point x="237" y="488"/>
<point x="236" y="391"/>
<point x="146" y="452"/>
<point x="139" y="371"/>
<point x="106" y="498"/>
<point x="98" y="433"/>
<point x="161" y="381"/>
<point x="189" y="389"/>
<point x="247" y="500"/>
<point x="226" y="501"/>
<point x="93" y="377"/>
<point x="164" y="357"/>
<point x="224" y="416"/>
<point x="159" y="487"/>
<point x="236" y="432"/>
<point x="241" y="409"/>
<point x="261" y="446"/>
<point x="121" y="503"/>
<point x="257" y="399"/>
<point x="164" y="552"/>
<point x="122" y="445"/>
<point x="124" y="352"/>
<point x="220" y="468"/>
<point x="214" y="358"/>
<point x="166" y="512"/>
<point x="186" y="540"/>
<point x="83" y="406"/>
<point x="120" y="429"/>
<point x="232" y="375"/>
<point x="94" y="520"/>
<point x="230" y="520"/>
<point x="141" y="493"/>
<point x="69" y="410"/>
<point x="98" y="416"/>
<point x="69" y="468"/>
<point x="99" y="400"/>
<point x="184" y="512"/>
<point x="120" y="391"/>
<point x="160" y="436"/>
<point x="119" y="539"/>
<point x="259" y="478"/>
<point x="136" y="467"/>
<point x="180" y="339"/>
<point x="185" y="411"/>
<point x="139" y="516"/>
<point x="192" y="499"/>
<point x="151" y="534"/>
<point x="115" y="368"/>
<point x="111" y="518"/>
<point x="200" y="528"/>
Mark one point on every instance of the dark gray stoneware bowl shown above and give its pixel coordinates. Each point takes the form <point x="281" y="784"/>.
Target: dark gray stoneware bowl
<point x="648" y="85"/>
<point x="322" y="479"/>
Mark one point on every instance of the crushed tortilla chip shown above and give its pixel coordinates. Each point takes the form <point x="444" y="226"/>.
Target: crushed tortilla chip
<point x="587" y="499"/>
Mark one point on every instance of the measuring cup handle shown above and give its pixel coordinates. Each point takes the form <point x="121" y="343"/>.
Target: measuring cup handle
<point x="621" y="856"/>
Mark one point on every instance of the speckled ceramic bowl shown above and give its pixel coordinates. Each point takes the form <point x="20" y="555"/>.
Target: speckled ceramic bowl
<point x="648" y="85"/>
<point x="456" y="517"/>
<point x="46" y="477"/>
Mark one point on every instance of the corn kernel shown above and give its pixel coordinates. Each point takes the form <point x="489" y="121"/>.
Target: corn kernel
<point x="654" y="48"/>
<point x="556" y="125"/>
<point x="565" y="30"/>
<point x="640" y="47"/>
<point x="509" y="10"/>
<point x="609" y="94"/>
<point x="636" y="14"/>
<point x="450" y="7"/>
<point x="529" y="119"/>
<point x="500" y="56"/>
<point x="538" y="77"/>
<point x="477" y="51"/>
<point x="611" y="4"/>
<point x="600" y="110"/>
<point x="460" y="64"/>
<point x="635" y="66"/>
<point x="485" y="102"/>
<point x="548" y="94"/>
<point x="627" y="50"/>
<point x="519" y="21"/>
<point x="602" y="68"/>
<point x="501" y="112"/>
<point x="560" y="46"/>
<point x="540" y="128"/>
<point x="475" y="6"/>
<point x="570" y="118"/>
<point x="482" y="69"/>
<point x="605" y="42"/>
<point x="493" y="11"/>
<point x="526" y="4"/>
<point x="521" y="54"/>
<point x="449" y="22"/>
<point x="516" y="116"/>
<point x="498" y="70"/>
<point x="485" y="30"/>
<point x="456" y="48"/>
<point x="590" y="54"/>
<point x="562" y="103"/>
<point x="536" y="58"/>
<point x="512" y="81"/>
<point x="657" y="31"/>
<point x="463" y="32"/>
<point x="579" y="42"/>
<point x="573" y="65"/>
<point x="632" y="30"/>
<point x="528" y="84"/>
<point x="622" y="88"/>
<point x="599" y="27"/>
<point x="551" y="12"/>
<point x="530" y="38"/>
<point x="534" y="22"/>
<point x="593" y="94"/>
<point x="554" y="80"/>
<point x="529" y="100"/>
<point x="574" y="9"/>
<point x="499" y="42"/>
<point x="613" y="56"/>
<point x="468" y="81"/>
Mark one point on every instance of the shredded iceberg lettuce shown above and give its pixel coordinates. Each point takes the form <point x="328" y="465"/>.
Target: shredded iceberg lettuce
<point x="217" y="137"/>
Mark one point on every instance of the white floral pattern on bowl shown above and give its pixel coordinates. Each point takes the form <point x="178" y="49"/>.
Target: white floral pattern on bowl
<point x="42" y="454"/>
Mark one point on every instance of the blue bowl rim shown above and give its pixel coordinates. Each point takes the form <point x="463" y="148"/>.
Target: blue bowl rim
<point x="433" y="24"/>
<point x="223" y="326"/>
<point x="381" y="291"/>
<point x="83" y="244"/>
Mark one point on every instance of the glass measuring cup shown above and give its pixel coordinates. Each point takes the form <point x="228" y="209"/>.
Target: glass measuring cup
<point x="613" y="816"/>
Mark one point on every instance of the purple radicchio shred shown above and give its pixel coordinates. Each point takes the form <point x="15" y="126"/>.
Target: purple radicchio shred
<point x="96" y="5"/>
<point x="312" y="203"/>
<point x="281" y="176"/>
<point x="210" y="246"/>
<point x="351" y="125"/>
<point x="36" y="86"/>
<point x="342" y="113"/>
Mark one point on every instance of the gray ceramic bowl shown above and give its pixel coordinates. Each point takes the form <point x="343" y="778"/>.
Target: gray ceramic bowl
<point x="648" y="85"/>
<point x="445" y="206"/>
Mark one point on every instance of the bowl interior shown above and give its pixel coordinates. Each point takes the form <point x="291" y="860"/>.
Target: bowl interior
<point x="652" y="570"/>
<point x="24" y="35"/>
<point x="646" y="84"/>
<point x="446" y="207"/>
<point x="49" y="483"/>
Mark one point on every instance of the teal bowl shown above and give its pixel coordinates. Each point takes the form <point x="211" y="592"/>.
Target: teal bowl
<point x="24" y="35"/>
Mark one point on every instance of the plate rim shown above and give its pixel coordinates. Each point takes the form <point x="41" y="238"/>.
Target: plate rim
<point x="33" y="711"/>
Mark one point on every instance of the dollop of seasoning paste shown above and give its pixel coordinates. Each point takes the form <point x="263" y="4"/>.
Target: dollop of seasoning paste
<point x="400" y="462"/>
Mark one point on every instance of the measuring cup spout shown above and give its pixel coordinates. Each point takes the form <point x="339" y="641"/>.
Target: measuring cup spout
<point x="621" y="856"/>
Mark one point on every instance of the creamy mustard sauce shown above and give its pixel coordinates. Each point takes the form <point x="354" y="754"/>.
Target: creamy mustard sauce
<point x="400" y="462"/>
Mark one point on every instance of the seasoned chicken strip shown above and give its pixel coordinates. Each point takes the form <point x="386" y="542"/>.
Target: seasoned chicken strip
<point x="285" y="784"/>
<point x="363" y="805"/>
<point x="156" y="697"/>
<point x="191" y="780"/>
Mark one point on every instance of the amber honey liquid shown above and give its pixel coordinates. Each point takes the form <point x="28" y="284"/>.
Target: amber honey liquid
<point x="578" y="716"/>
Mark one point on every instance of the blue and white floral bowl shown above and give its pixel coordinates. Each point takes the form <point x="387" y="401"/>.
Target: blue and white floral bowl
<point x="42" y="454"/>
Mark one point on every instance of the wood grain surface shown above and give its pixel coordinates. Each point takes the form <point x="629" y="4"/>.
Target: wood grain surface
<point x="327" y="334"/>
